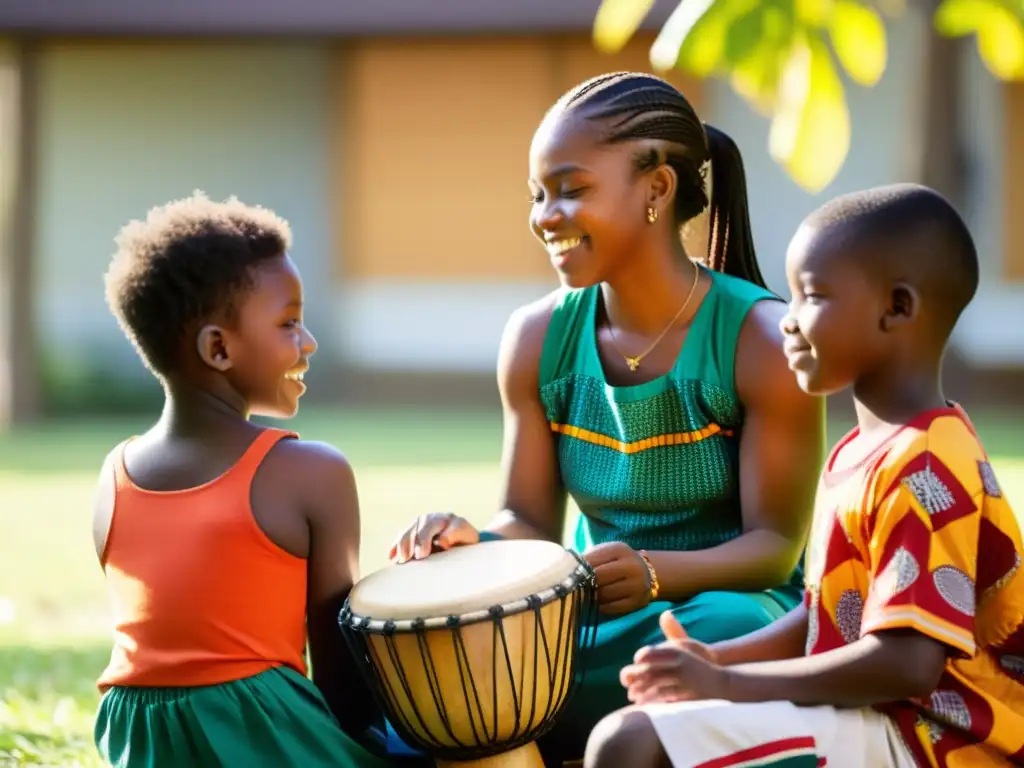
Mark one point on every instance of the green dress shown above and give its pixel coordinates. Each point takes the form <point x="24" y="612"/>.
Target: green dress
<point x="653" y="465"/>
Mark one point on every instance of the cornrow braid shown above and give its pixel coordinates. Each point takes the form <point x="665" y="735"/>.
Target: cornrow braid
<point x="730" y="235"/>
<point x="634" y="106"/>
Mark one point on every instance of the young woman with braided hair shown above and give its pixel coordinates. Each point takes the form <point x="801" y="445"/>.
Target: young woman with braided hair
<point x="652" y="388"/>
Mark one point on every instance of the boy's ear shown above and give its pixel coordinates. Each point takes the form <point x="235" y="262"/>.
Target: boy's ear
<point x="212" y="347"/>
<point x="903" y="307"/>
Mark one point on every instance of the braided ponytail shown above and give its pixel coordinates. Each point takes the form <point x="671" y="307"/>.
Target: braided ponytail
<point x="730" y="237"/>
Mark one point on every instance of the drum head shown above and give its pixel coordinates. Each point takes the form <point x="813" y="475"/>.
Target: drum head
<point x="462" y="580"/>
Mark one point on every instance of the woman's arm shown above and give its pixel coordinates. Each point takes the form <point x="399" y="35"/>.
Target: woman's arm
<point x="532" y="500"/>
<point x="781" y="452"/>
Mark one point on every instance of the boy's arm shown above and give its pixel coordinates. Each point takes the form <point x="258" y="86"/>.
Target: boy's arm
<point x="782" y="639"/>
<point x="332" y="503"/>
<point x="886" y="666"/>
<point x="882" y="667"/>
<point x="103" y="504"/>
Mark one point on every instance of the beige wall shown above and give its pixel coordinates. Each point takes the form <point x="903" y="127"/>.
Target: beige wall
<point x="432" y="170"/>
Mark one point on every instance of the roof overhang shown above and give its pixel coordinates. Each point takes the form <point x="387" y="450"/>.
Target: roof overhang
<point x="303" y="17"/>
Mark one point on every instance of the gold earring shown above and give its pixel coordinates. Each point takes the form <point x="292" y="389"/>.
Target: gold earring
<point x="652" y="215"/>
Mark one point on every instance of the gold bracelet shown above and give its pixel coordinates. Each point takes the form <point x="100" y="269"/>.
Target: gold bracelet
<point x="655" y="587"/>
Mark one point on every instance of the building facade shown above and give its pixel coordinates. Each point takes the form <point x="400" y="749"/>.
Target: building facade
<point x="395" y="141"/>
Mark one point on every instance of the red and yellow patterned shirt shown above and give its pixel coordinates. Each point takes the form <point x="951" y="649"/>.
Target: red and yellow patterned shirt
<point x="918" y="535"/>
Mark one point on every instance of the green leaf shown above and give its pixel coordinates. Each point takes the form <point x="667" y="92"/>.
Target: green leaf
<point x="858" y="38"/>
<point x="810" y="134"/>
<point x="688" y="15"/>
<point x="745" y="35"/>
<point x="1001" y="44"/>
<point x="956" y="18"/>
<point x="756" y="76"/>
<point x="617" y="21"/>
<point x="694" y="36"/>
<point x="1000" y="32"/>
<point x="813" y="13"/>
<point x="756" y="66"/>
<point x="779" y="23"/>
<point x="794" y="88"/>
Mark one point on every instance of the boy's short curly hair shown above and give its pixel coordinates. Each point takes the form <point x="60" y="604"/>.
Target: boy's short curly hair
<point x="189" y="260"/>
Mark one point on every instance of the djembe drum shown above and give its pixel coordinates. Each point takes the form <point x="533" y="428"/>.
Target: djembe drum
<point x="473" y="652"/>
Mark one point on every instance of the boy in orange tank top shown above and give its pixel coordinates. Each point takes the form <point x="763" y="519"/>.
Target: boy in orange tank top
<point x="224" y="544"/>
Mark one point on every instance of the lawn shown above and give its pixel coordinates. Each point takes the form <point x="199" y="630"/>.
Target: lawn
<point x="53" y="632"/>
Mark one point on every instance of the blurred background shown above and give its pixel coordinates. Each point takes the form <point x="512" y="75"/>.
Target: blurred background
<point x="393" y="135"/>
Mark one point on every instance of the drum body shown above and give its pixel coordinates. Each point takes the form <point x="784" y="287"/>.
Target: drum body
<point x="473" y="652"/>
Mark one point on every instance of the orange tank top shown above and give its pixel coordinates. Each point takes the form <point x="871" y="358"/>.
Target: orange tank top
<point x="199" y="594"/>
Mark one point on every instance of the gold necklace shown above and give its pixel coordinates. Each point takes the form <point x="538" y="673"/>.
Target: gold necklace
<point x="634" y="361"/>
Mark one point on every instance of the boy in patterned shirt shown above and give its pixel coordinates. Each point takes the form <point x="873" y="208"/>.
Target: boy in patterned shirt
<point x="909" y="647"/>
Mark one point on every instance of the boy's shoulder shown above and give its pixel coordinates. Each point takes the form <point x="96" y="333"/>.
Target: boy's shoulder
<point x="937" y="456"/>
<point x="309" y="461"/>
<point x="310" y="477"/>
<point x="316" y="450"/>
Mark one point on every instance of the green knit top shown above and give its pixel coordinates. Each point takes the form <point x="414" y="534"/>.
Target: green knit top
<point x="653" y="465"/>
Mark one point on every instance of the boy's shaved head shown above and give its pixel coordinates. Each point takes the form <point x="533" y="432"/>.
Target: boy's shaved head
<point x="904" y="233"/>
<point x="879" y="279"/>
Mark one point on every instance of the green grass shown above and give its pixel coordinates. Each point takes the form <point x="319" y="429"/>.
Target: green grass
<point x="54" y="638"/>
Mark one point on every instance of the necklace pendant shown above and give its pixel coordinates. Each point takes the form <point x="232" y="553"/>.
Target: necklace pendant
<point x="633" y="363"/>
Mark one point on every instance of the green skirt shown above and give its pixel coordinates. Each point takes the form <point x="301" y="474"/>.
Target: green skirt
<point x="709" y="617"/>
<point x="276" y="718"/>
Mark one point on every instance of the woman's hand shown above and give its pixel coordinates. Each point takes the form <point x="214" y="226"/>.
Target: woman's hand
<point x="440" y="530"/>
<point x="680" y="669"/>
<point x="623" y="581"/>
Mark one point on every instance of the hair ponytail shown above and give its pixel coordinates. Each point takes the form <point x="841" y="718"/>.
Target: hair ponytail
<point x="730" y="237"/>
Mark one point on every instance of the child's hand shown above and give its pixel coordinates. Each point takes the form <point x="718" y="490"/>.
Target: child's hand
<point x="438" y="529"/>
<point x="680" y="669"/>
